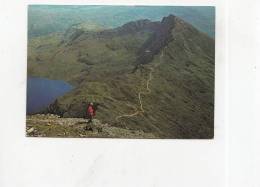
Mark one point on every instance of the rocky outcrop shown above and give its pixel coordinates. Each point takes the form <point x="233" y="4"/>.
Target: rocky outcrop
<point x="49" y="125"/>
<point x="160" y="38"/>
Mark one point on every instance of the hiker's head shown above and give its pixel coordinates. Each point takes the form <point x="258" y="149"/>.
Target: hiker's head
<point x="91" y="103"/>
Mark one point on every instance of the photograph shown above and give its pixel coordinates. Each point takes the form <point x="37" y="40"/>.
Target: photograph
<point x="110" y="71"/>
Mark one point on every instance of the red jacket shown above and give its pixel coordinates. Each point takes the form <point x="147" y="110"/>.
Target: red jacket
<point x="91" y="111"/>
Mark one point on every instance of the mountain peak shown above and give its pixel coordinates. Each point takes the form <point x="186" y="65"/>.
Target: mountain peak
<point x="134" y="26"/>
<point x="138" y="23"/>
<point x="169" y="19"/>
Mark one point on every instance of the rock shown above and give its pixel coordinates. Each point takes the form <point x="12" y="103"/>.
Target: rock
<point x="43" y="126"/>
<point x="30" y="130"/>
<point x="99" y="129"/>
<point x="88" y="128"/>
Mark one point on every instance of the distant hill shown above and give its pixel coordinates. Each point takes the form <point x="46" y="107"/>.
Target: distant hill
<point x="46" y="19"/>
<point x="153" y="76"/>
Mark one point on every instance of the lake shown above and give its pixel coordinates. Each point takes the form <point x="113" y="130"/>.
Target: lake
<point x="41" y="92"/>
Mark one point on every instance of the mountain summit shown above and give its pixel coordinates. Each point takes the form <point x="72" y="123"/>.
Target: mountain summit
<point x="170" y="93"/>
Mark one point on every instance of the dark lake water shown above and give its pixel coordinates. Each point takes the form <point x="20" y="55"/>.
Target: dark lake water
<point x="41" y="92"/>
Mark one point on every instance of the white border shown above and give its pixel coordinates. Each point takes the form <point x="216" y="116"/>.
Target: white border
<point x="44" y="162"/>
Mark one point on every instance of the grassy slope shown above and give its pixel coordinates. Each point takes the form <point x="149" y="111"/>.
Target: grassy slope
<point x="68" y="62"/>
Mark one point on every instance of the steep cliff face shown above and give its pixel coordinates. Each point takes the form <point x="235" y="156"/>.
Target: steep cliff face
<point x="170" y="93"/>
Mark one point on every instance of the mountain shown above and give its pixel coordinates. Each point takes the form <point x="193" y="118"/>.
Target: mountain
<point x="153" y="76"/>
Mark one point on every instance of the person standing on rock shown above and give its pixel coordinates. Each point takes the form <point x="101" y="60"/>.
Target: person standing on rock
<point x="90" y="112"/>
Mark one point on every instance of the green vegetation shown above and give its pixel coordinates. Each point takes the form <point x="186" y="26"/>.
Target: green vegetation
<point x="100" y="65"/>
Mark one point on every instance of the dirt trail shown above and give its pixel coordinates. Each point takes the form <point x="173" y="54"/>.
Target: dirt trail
<point x="148" y="91"/>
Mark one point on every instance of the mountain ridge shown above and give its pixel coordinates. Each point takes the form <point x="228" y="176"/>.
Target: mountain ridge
<point x="44" y="20"/>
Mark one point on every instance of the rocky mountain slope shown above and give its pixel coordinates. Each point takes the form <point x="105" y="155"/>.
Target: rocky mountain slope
<point x="50" y="125"/>
<point x="157" y="77"/>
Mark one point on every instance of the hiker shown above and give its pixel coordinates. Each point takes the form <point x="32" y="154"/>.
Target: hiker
<point x="90" y="112"/>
